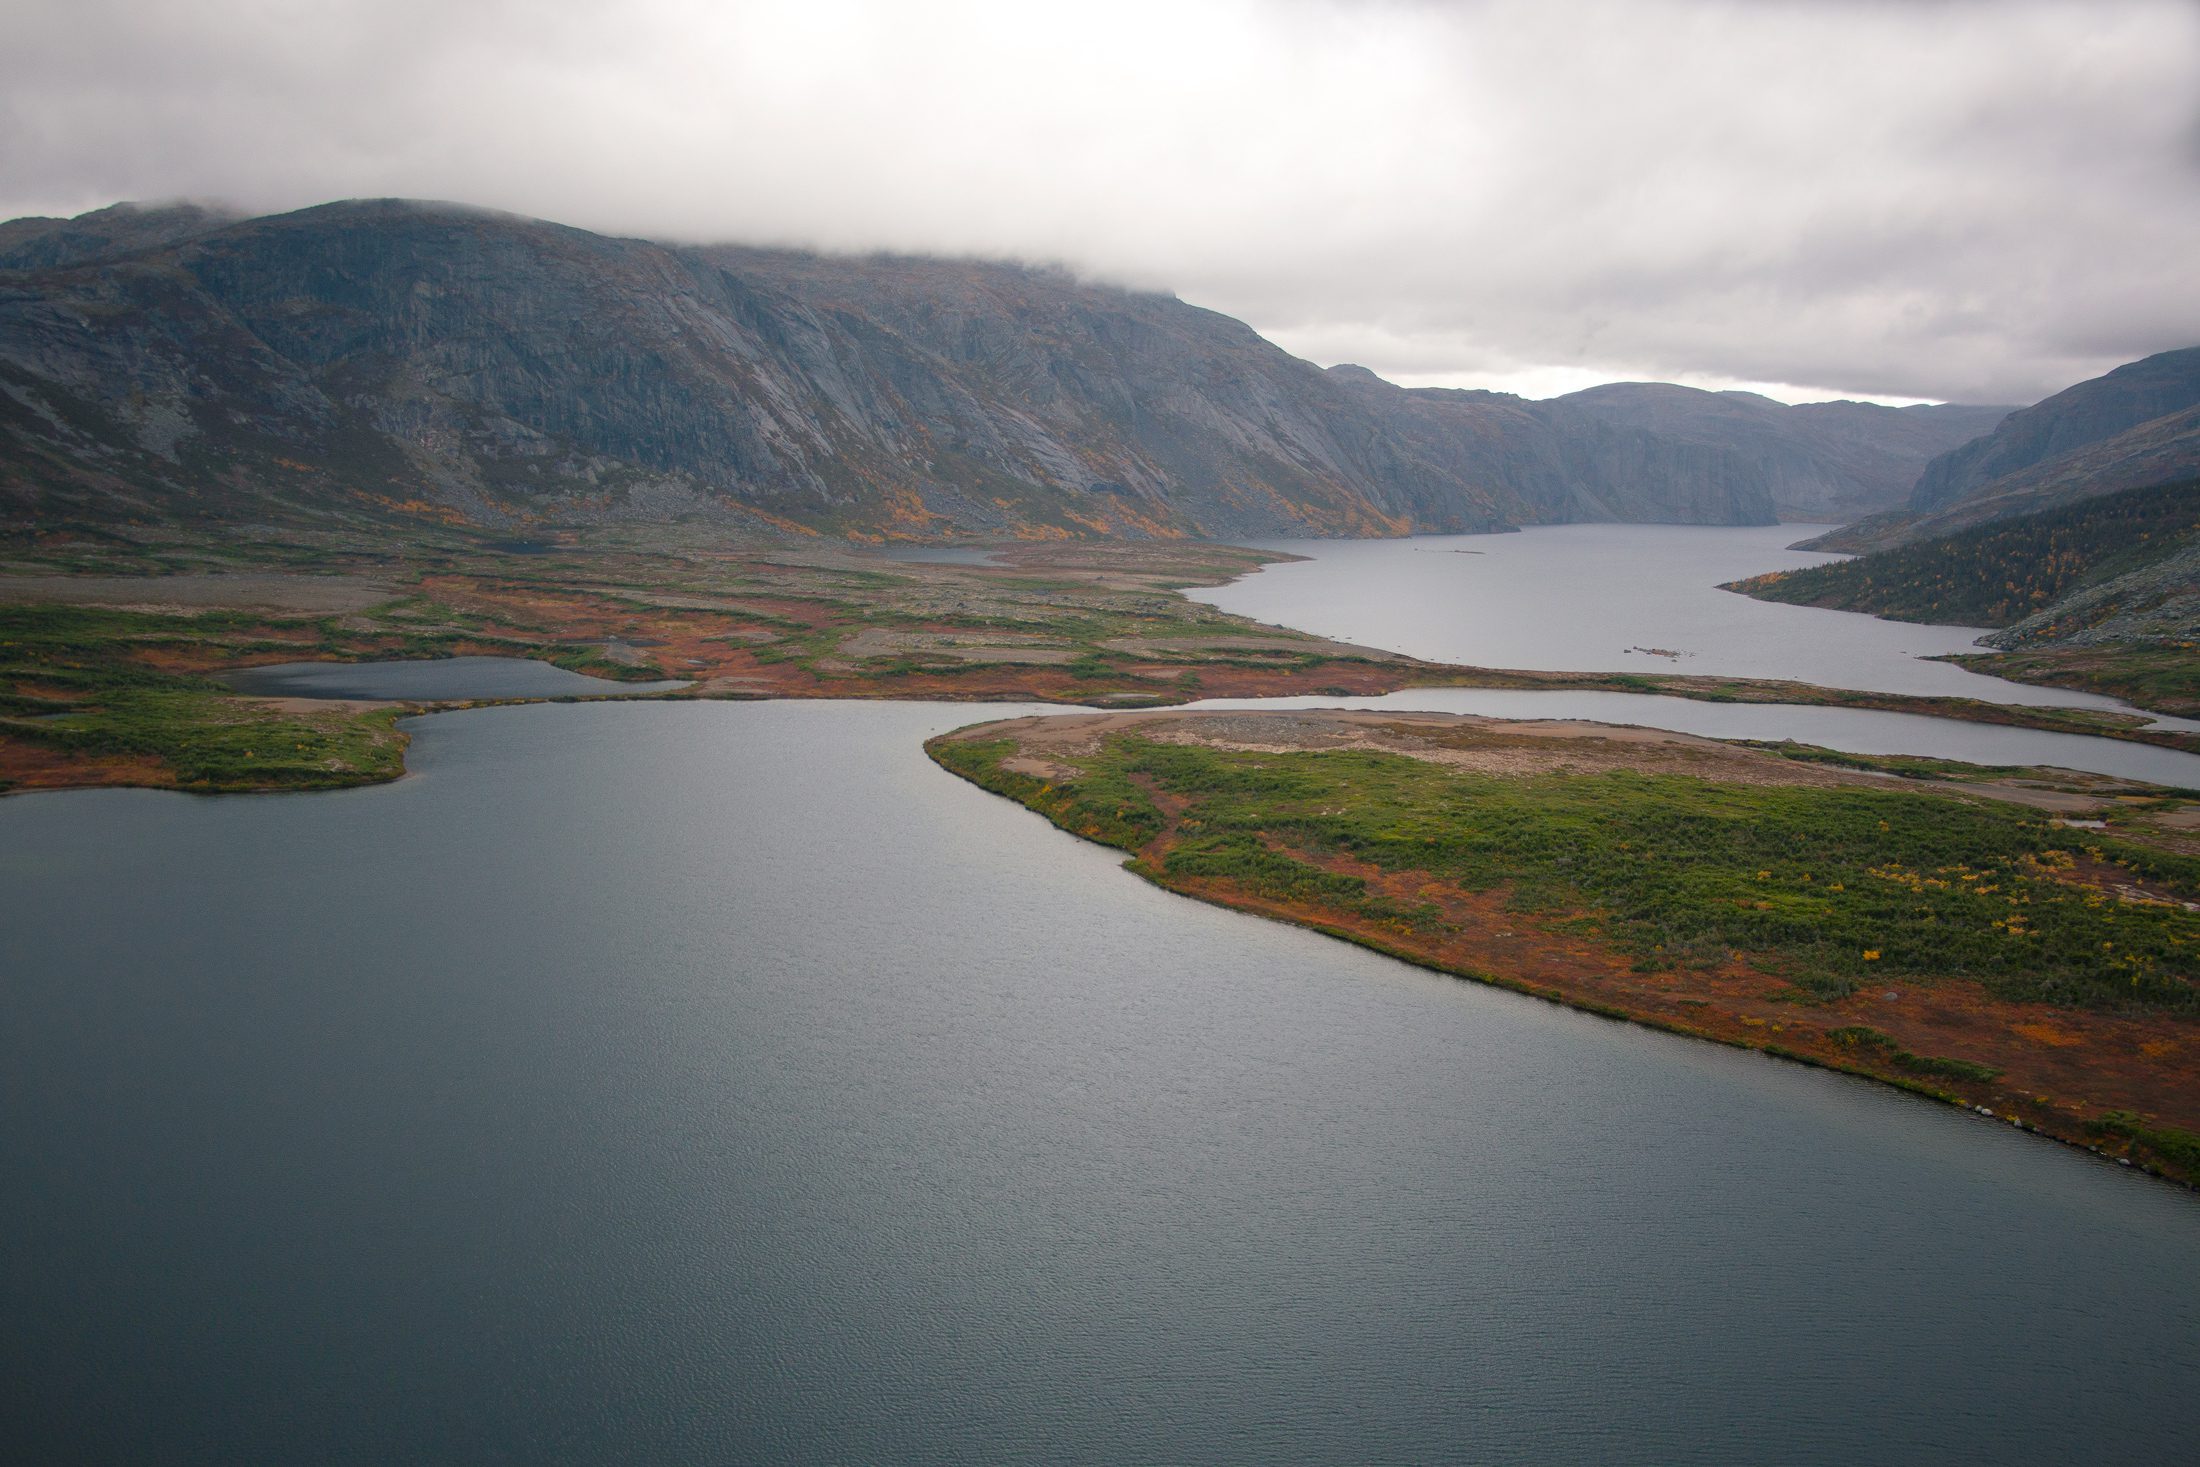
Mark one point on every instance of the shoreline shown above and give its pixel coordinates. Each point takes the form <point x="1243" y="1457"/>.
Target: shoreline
<point x="1760" y="1031"/>
<point x="1077" y="625"/>
<point x="2039" y="1078"/>
<point x="27" y="766"/>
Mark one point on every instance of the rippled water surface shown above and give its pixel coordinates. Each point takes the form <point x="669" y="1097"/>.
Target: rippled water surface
<point x="723" y="1082"/>
<point x="1606" y="598"/>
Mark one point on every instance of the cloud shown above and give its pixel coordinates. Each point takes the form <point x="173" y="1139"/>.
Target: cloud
<point x="1979" y="201"/>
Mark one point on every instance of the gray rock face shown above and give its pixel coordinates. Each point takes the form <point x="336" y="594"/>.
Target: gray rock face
<point x="1543" y="462"/>
<point x="2076" y="418"/>
<point x="1820" y="461"/>
<point x="2137" y="426"/>
<point x="2154" y="603"/>
<point x="119" y="229"/>
<point x="383" y="357"/>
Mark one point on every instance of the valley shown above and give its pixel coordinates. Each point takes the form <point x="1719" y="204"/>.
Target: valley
<point x="1318" y="733"/>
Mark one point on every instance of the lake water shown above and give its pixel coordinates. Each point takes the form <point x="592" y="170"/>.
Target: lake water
<point x="1587" y="598"/>
<point x="940" y="554"/>
<point x="723" y="1082"/>
<point x="431" y="680"/>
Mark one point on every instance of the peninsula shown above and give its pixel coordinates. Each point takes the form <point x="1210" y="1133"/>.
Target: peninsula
<point x="2013" y="941"/>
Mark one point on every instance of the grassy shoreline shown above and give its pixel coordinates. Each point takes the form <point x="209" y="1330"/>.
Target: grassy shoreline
<point x="116" y="688"/>
<point x="1520" y="875"/>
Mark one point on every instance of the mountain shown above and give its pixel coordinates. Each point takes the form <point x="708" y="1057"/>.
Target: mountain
<point x="1542" y="464"/>
<point x="2004" y="573"/>
<point x="40" y="243"/>
<point x="378" y="358"/>
<point x="2135" y="426"/>
<point x="1819" y="461"/>
<point x="2101" y="594"/>
<point x="393" y="357"/>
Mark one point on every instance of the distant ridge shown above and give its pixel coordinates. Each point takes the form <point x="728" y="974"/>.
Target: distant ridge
<point x="2135" y="426"/>
<point x="39" y="243"/>
<point x="1820" y="460"/>
<point x="393" y="358"/>
<point x="2102" y="593"/>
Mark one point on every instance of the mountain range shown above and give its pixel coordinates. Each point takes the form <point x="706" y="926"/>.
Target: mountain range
<point x="372" y="359"/>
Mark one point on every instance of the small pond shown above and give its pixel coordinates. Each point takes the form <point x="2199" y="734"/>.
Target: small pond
<point x="441" y="679"/>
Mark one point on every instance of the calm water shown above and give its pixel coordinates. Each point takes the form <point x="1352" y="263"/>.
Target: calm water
<point x="457" y="679"/>
<point x="1577" y="598"/>
<point x="722" y="1082"/>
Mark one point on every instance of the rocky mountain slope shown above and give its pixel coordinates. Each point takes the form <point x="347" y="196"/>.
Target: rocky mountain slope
<point x="394" y="358"/>
<point x="1824" y="461"/>
<point x="103" y="234"/>
<point x="2135" y="426"/>
<point x="2101" y="594"/>
<point x="2004" y="573"/>
<point x="1545" y="464"/>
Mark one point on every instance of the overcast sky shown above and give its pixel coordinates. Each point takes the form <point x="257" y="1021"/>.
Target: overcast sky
<point x="1930" y="199"/>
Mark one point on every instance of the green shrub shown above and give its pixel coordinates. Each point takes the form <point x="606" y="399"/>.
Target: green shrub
<point x="1834" y="886"/>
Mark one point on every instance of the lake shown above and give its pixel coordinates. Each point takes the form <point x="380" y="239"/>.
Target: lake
<point x="724" y="1082"/>
<point x="1606" y="598"/>
<point x="432" y="679"/>
<point x="940" y="554"/>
